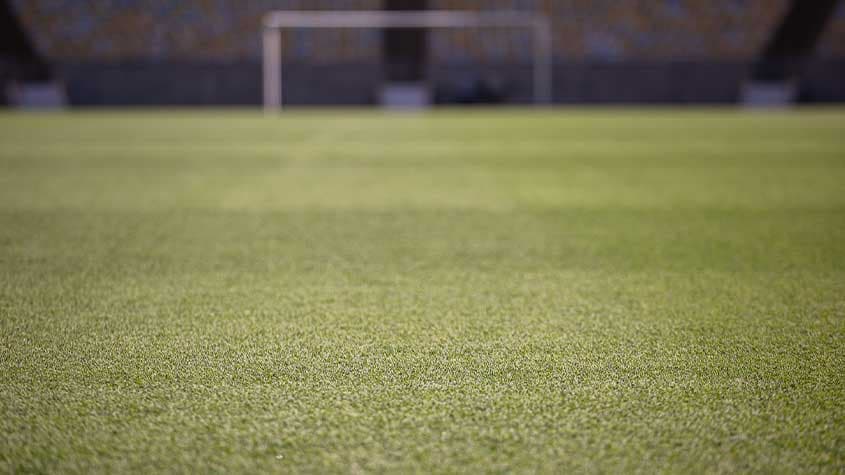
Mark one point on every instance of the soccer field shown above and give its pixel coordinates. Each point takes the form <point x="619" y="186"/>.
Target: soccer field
<point x="567" y="290"/>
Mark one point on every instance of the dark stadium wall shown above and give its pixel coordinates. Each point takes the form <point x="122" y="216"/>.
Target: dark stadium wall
<point x="239" y="83"/>
<point x="19" y="60"/>
<point x="207" y="83"/>
<point x="405" y="50"/>
<point x="16" y="48"/>
<point x="794" y="40"/>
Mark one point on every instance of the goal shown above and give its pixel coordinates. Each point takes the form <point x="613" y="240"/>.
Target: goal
<point x="275" y="22"/>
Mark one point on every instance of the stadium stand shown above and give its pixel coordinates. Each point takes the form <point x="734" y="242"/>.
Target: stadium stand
<point x="226" y="29"/>
<point x="590" y="37"/>
<point x="192" y="29"/>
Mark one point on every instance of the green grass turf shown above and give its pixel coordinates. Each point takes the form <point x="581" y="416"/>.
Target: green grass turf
<point x="600" y="291"/>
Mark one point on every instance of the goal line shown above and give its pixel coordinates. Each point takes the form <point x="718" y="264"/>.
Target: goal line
<point x="275" y="22"/>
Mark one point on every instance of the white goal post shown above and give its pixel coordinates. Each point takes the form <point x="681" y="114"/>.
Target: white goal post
<point x="275" y="22"/>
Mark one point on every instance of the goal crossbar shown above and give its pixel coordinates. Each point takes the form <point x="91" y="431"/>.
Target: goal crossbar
<point x="275" y="22"/>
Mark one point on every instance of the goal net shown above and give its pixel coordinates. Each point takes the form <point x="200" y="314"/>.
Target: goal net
<point x="275" y="22"/>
